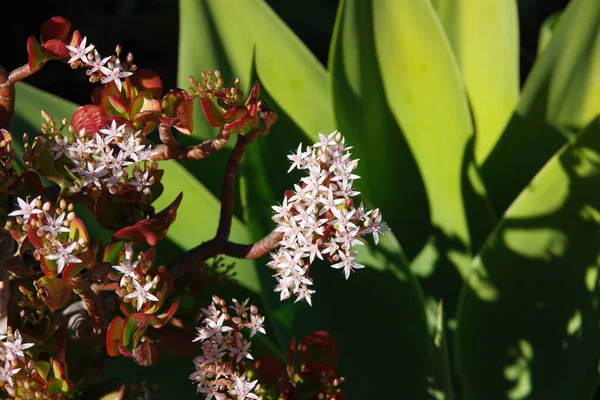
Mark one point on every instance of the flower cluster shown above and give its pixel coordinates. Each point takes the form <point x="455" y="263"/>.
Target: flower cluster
<point x="106" y="70"/>
<point x="224" y="346"/>
<point x="318" y="218"/>
<point x="132" y="274"/>
<point x="100" y="160"/>
<point x="52" y="229"/>
<point x="13" y="358"/>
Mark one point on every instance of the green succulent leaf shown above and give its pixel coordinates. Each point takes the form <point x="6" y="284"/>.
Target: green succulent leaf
<point x="540" y="265"/>
<point x="560" y="97"/>
<point x="485" y="40"/>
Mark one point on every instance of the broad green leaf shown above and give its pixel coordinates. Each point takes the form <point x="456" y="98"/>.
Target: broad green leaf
<point x="535" y="336"/>
<point x="424" y="91"/>
<point x="296" y="79"/>
<point x="485" y="40"/>
<point x="547" y="30"/>
<point x="337" y="302"/>
<point x="390" y="178"/>
<point x="439" y="382"/>
<point x="560" y="97"/>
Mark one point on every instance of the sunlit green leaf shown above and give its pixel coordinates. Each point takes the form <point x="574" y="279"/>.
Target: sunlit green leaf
<point x="547" y="30"/>
<point x="560" y="97"/>
<point x="485" y="40"/>
<point x="540" y="314"/>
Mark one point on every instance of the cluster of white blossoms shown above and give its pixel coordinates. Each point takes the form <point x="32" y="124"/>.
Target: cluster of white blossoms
<point x="223" y="347"/>
<point x="101" y="160"/>
<point x="12" y="356"/>
<point x="52" y="224"/>
<point x="318" y="218"/>
<point x="107" y="69"/>
<point x="131" y="278"/>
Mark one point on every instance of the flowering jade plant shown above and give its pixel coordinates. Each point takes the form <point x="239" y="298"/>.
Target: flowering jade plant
<point x="64" y="291"/>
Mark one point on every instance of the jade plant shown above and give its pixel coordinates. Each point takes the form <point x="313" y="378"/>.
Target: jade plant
<point x="67" y="295"/>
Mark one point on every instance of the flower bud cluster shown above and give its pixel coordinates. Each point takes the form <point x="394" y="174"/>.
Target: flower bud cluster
<point x="136" y="285"/>
<point x="52" y="227"/>
<point x="318" y="218"/>
<point x="225" y="338"/>
<point x="8" y="175"/>
<point x="100" y="160"/>
<point x="107" y="69"/>
<point x="211" y="86"/>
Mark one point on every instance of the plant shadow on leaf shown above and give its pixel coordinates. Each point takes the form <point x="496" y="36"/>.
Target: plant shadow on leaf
<point x="536" y="334"/>
<point x="341" y="306"/>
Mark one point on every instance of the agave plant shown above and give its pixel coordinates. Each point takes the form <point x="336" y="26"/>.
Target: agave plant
<point x="487" y="285"/>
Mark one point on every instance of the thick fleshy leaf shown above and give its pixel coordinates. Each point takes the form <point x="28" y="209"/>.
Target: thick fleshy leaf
<point x="113" y="335"/>
<point x="147" y="79"/>
<point x="128" y="329"/>
<point x="37" y="58"/>
<point x="539" y="312"/>
<point x="485" y="40"/>
<point x="56" y="27"/>
<point x="88" y="117"/>
<point x="364" y="118"/>
<point x="559" y="98"/>
<point x="421" y="77"/>
<point x="55" y="292"/>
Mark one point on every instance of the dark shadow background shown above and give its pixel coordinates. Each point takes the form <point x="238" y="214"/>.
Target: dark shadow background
<point x="149" y="29"/>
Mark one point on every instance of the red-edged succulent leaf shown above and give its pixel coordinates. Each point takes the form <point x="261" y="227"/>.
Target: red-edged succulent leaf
<point x="88" y="117"/>
<point x="128" y="329"/>
<point x="148" y="111"/>
<point x="55" y="49"/>
<point x="171" y="100"/>
<point x="213" y="113"/>
<point x="43" y="368"/>
<point x="254" y="92"/>
<point x="112" y="251"/>
<point x="110" y="89"/>
<point x="139" y="333"/>
<point x="147" y="79"/>
<point x="75" y="38"/>
<point x="241" y="125"/>
<point x="55" y="292"/>
<point x="185" y="111"/>
<point x="34" y="239"/>
<point x="78" y="231"/>
<point x="53" y="386"/>
<point x="143" y="318"/>
<point x="37" y="58"/>
<point x="113" y="336"/>
<point x="87" y="257"/>
<point x="49" y="267"/>
<point x="165" y="318"/>
<point x="150" y="231"/>
<point x="117" y="104"/>
<point x="123" y="350"/>
<point x="56" y="27"/>
<point x="235" y="114"/>
<point x="58" y="369"/>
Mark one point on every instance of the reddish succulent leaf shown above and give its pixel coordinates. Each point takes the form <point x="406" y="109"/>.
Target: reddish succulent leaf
<point x="49" y="267"/>
<point x="151" y="105"/>
<point x="117" y="104"/>
<point x="78" y="231"/>
<point x="253" y="96"/>
<point x="318" y="346"/>
<point x="235" y="113"/>
<point x="37" y="58"/>
<point x="240" y="125"/>
<point x="87" y="257"/>
<point x="75" y="38"/>
<point x="88" y="117"/>
<point x="146" y="353"/>
<point x="123" y="350"/>
<point x="112" y="251"/>
<point x="185" y="111"/>
<point x="139" y="333"/>
<point x="55" y="292"/>
<point x="152" y="230"/>
<point x="143" y="318"/>
<point x="113" y="336"/>
<point x="55" y="28"/>
<point x="171" y="100"/>
<point x="34" y="239"/>
<point x="105" y="105"/>
<point x="128" y="329"/>
<point x="213" y="113"/>
<point x="96" y="96"/>
<point x="43" y="368"/>
<point x="167" y="317"/>
<point x="55" y="49"/>
<point x="147" y="79"/>
<point x="137" y="103"/>
<point x="168" y="121"/>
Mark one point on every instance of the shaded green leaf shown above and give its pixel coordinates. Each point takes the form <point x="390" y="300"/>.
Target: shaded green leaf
<point x="560" y="97"/>
<point x="539" y="313"/>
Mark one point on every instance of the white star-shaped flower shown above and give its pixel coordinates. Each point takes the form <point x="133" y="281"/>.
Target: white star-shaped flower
<point x="127" y="267"/>
<point x="63" y="255"/>
<point x="142" y="294"/>
<point x="80" y="52"/>
<point x="14" y="349"/>
<point x="243" y="389"/>
<point x="26" y="209"/>
<point x="54" y="225"/>
<point x="97" y="62"/>
<point x="115" y="74"/>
